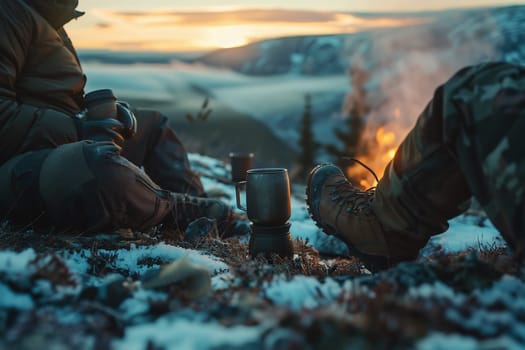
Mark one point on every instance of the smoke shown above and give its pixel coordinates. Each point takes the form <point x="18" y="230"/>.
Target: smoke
<point x="394" y="74"/>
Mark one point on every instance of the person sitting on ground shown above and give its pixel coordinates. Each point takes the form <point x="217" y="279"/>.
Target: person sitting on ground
<point x="53" y="176"/>
<point x="467" y="142"/>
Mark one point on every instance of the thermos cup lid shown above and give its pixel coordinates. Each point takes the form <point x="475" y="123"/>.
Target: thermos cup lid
<point x="241" y="155"/>
<point x="267" y="170"/>
<point x="103" y="94"/>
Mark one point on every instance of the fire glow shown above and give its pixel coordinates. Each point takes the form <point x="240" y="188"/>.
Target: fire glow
<point x="386" y="141"/>
<point x="381" y="150"/>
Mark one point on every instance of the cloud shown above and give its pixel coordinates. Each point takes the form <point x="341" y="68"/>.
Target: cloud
<point x="103" y="25"/>
<point x="193" y="29"/>
<point x="218" y="18"/>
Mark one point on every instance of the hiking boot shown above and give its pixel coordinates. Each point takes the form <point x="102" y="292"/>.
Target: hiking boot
<point x="464" y="143"/>
<point x="188" y="208"/>
<point x="342" y="210"/>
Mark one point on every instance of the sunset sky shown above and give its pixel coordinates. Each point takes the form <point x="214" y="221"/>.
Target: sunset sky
<point x="194" y="25"/>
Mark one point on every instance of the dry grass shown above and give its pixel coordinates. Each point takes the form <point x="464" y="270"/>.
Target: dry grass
<point x="377" y="314"/>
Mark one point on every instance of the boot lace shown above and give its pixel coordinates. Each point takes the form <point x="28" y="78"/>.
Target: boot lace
<point x="350" y="198"/>
<point x="191" y="208"/>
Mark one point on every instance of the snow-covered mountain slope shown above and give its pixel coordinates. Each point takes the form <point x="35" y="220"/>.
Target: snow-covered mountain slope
<point x="405" y="65"/>
<point x="499" y="29"/>
<point x="309" y="55"/>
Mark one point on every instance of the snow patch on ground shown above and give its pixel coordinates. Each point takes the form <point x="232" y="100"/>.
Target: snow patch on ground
<point x="179" y="333"/>
<point x="302" y="292"/>
<point x="465" y="232"/>
<point x="13" y="300"/>
<point x="130" y="259"/>
<point x="16" y="263"/>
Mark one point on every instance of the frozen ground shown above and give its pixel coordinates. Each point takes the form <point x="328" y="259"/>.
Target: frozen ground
<point x="464" y="292"/>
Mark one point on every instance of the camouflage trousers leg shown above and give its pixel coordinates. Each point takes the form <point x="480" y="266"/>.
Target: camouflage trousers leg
<point x="460" y="146"/>
<point x="485" y="123"/>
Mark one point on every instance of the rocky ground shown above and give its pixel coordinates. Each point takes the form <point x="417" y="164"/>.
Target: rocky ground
<point x="465" y="291"/>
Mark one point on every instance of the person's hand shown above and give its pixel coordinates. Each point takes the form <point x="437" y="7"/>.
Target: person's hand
<point x="110" y="129"/>
<point x="127" y="118"/>
<point x="104" y="129"/>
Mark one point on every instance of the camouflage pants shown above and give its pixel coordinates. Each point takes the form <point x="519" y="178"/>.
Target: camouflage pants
<point x="469" y="141"/>
<point x="89" y="186"/>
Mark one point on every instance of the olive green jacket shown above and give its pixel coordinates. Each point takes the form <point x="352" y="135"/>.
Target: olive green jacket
<point x="41" y="82"/>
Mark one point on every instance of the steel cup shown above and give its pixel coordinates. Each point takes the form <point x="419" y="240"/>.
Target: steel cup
<point x="240" y="163"/>
<point x="267" y="196"/>
<point x="101" y="104"/>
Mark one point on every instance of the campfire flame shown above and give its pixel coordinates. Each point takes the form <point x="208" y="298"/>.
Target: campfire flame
<point x="386" y="143"/>
<point x="382" y="149"/>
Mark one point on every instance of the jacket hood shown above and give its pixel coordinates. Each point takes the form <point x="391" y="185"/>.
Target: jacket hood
<point x="57" y="12"/>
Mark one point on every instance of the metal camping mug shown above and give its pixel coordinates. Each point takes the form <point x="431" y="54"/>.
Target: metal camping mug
<point x="101" y="104"/>
<point x="267" y="196"/>
<point x="240" y="163"/>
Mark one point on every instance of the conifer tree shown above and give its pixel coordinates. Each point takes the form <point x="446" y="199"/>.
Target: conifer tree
<point x="307" y="144"/>
<point x="350" y="134"/>
<point x="349" y="137"/>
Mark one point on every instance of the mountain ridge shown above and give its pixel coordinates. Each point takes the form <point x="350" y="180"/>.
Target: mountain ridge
<point x="328" y="54"/>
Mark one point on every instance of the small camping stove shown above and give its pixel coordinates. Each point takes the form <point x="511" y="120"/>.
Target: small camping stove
<point x="268" y="240"/>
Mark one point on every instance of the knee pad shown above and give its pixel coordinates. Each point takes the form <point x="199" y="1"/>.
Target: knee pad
<point x="69" y="186"/>
<point x="88" y="187"/>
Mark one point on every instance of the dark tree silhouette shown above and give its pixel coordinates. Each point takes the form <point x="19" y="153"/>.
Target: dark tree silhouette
<point x="349" y="137"/>
<point x="308" y="145"/>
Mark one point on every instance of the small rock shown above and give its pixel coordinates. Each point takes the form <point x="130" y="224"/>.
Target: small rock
<point x="195" y="280"/>
<point x="240" y="228"/>
<point x="199" y="229"/>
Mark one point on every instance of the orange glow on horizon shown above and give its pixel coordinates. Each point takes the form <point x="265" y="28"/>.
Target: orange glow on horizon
<point x="208" y="30"/>
<point x="226" y="37"/>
